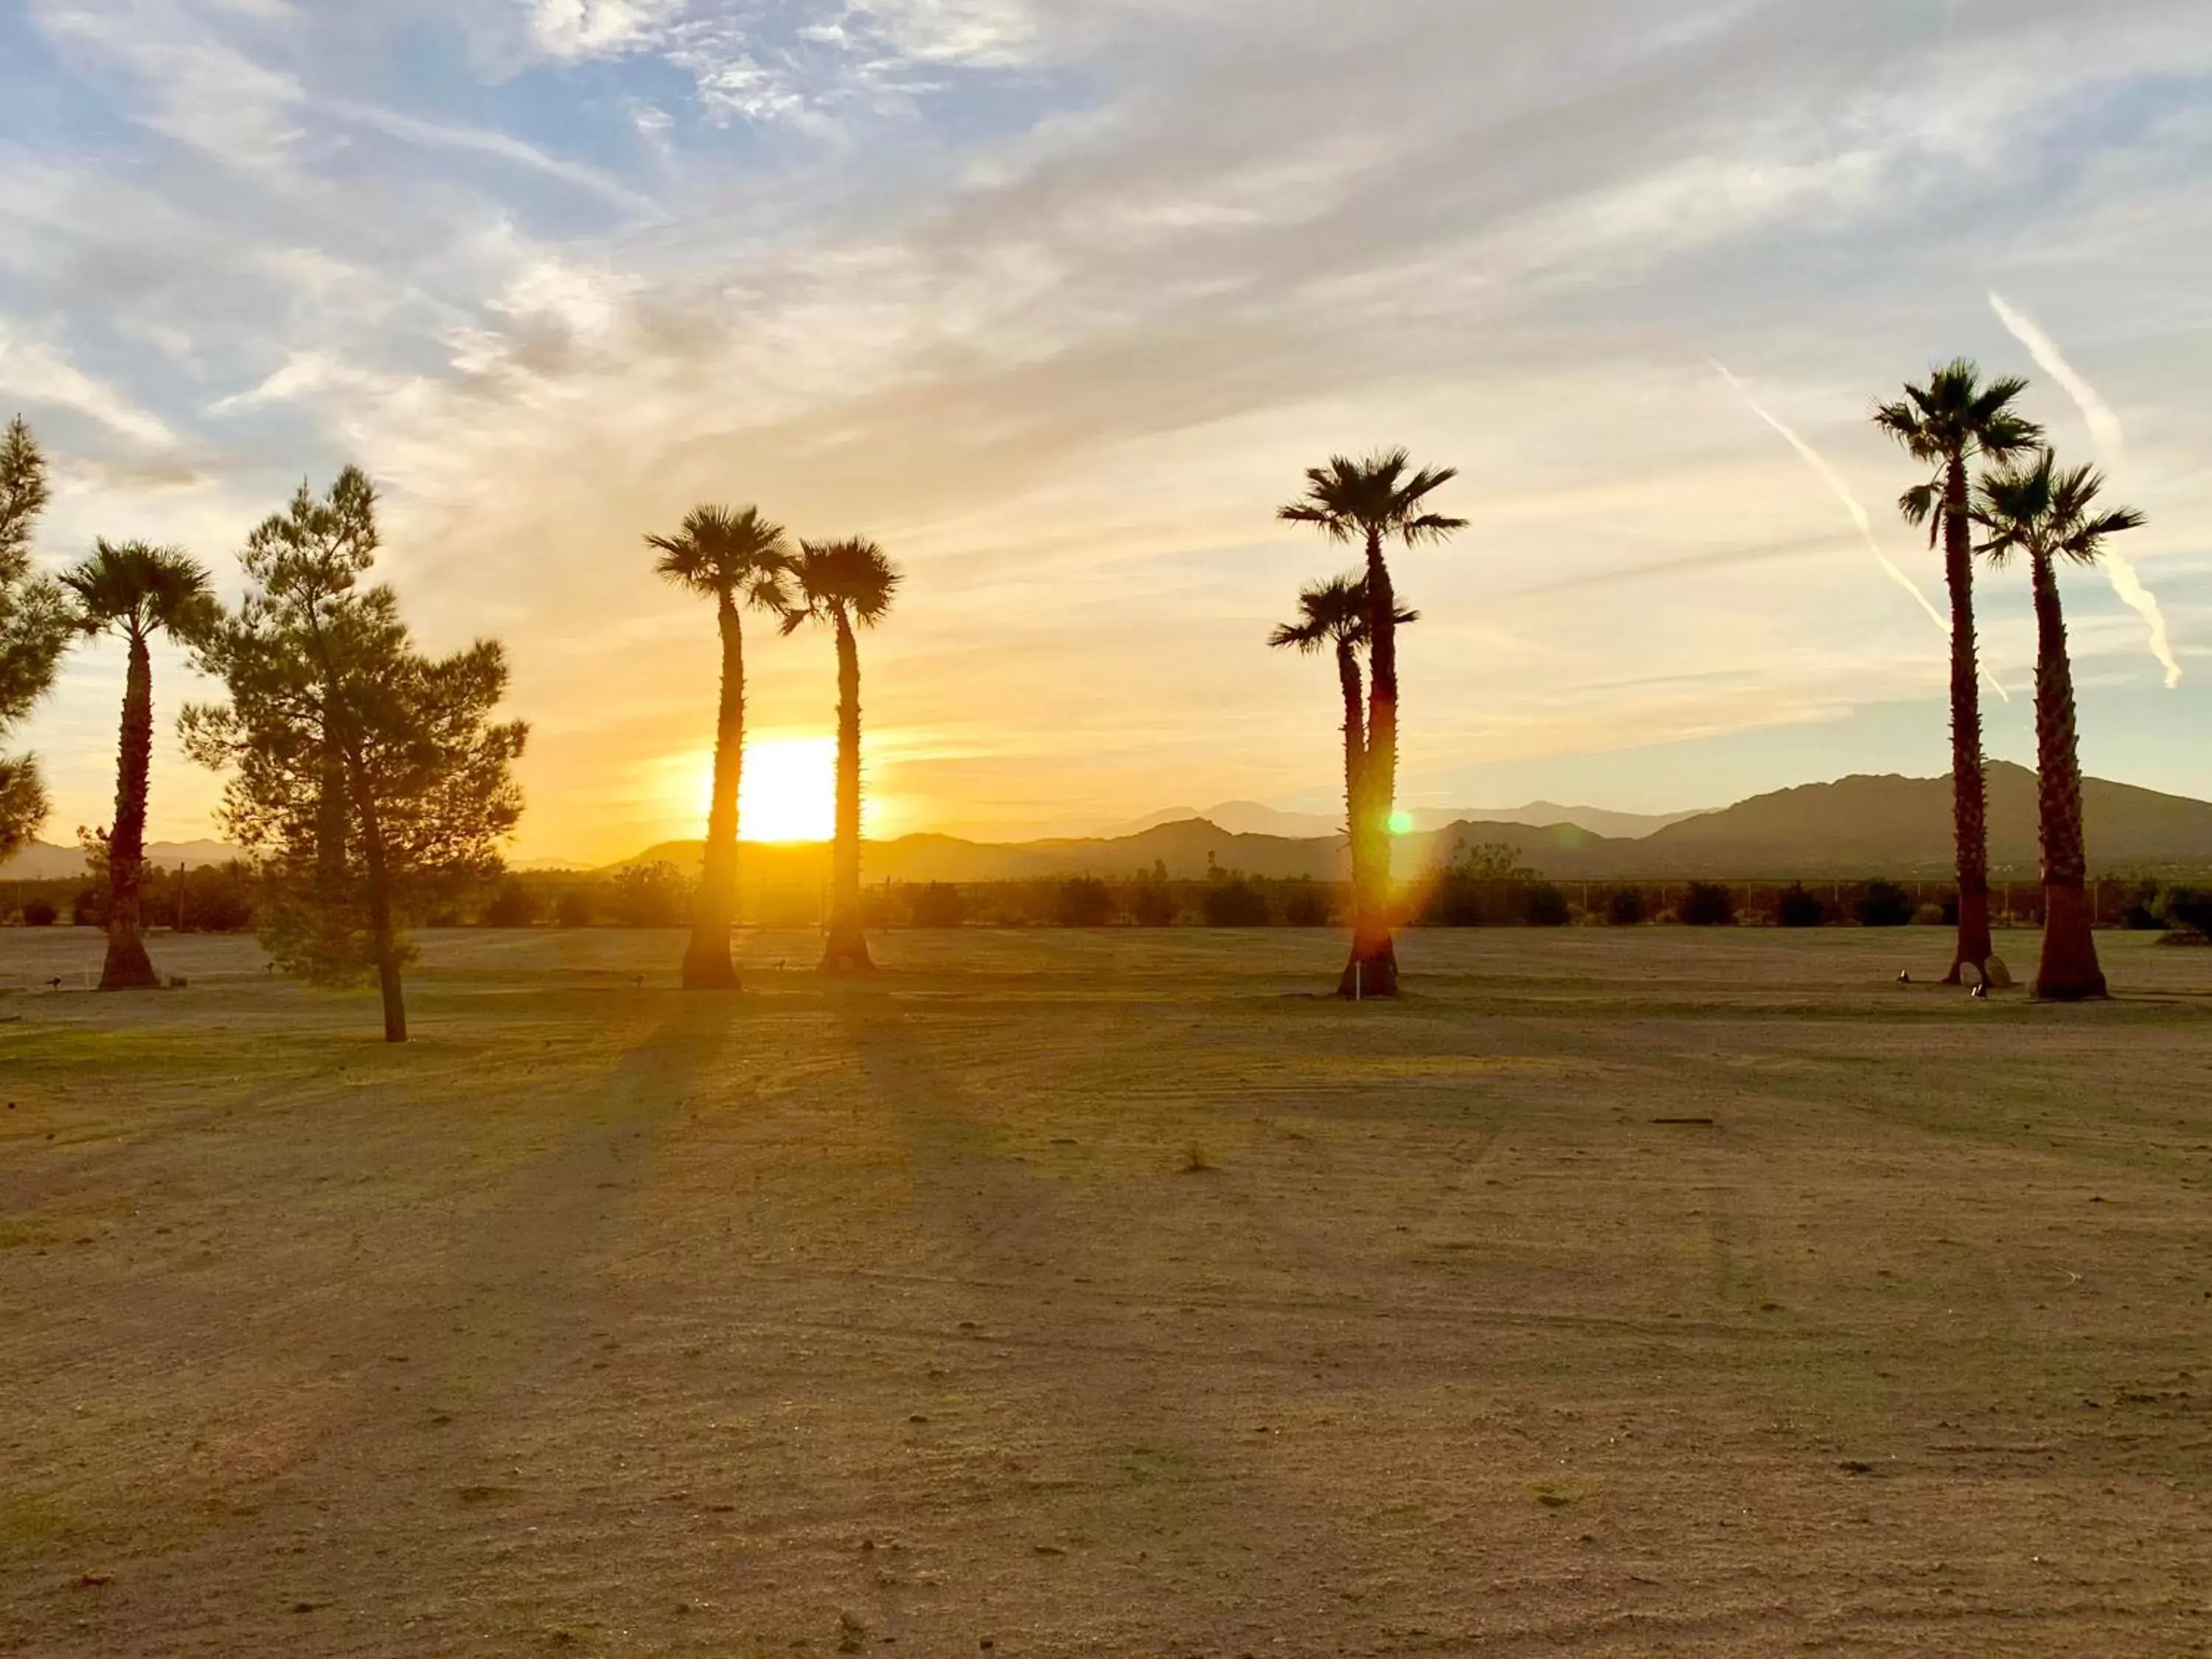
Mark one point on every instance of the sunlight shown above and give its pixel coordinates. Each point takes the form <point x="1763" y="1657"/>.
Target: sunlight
<point x="789" y="790"/>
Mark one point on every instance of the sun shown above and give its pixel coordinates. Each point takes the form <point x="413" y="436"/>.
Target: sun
<point x="788" y="791"/>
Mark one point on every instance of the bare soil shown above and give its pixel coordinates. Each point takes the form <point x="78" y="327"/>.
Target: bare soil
<point x="1615" y="1294"/>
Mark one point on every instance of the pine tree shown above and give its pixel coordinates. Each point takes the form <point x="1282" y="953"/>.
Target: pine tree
<point x="366" y="776"/>
<point x="35" y="626"/>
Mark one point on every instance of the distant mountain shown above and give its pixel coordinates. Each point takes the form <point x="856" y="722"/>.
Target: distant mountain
<point x="1855" y="828"/>
<point x="1244" y="817"/>
<point x="1544" y="814"/>
<point x="42" y="862"/>
<point x="1902" y="826"/>
<point x="1238" y="817"/>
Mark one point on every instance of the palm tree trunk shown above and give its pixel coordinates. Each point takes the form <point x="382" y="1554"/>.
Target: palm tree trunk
<point x="1355" y="748"/>
<point x="128" y="968"/>
<point x="1969" y="788"/>
<point x="1373" y="969"/>
<point x="847" y="948"/>
<point x="2070" y="971"/>
<point x="707" y="965"/>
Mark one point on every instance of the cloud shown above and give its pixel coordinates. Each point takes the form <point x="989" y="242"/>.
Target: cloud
<point x="1058" y="300"/>
<point x="2106" y="432"/>
<point x="34" y="373"/>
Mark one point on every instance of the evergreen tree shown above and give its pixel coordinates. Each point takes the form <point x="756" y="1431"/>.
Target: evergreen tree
<point x="35" y="626"/>
<point x="366" y="776"/>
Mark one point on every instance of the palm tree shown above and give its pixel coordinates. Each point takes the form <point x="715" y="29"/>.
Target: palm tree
<point x="1375" y="502"/>
<point x="844" y="585"/>
<point x="136" y="591"/>
<point x="1333" y="613"/>
<point x="1948" y="424"/>
<point x="2051" y="514"/>
<point x="738" y="559"/>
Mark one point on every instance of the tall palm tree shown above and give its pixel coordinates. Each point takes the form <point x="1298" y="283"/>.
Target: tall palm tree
<point x="737" y="559"/>
<point x="1948" y="424"/>
<point x="846" y="585"/>
<point x="2048" y="514"/>
<point x="1334" y="613"/>
<point x="1375" y="502"/>
<point x="136" y="591"/>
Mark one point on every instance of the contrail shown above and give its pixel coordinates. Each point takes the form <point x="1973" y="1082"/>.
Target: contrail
<point x="1851" y="505"/>
<point x="2105" y="433"/>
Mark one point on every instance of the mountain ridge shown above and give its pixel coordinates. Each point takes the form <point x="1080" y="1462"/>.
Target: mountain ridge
<point x="1861" y="826"/>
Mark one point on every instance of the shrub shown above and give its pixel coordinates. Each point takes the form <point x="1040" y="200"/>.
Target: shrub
<point x="1708" y="904"/>
<point x="574" y="909"/>
<point x="1627" y="907"/>
<point x="40" y="913"/>
<point x="512" y="905"/>
<point x="650" y="895"/>
<point x="1884" y="904"/>
<point x="1235" y="904"/>
<point x="1799" y="909"/>
<point x="940" y="905"/>
<point x="1307" y="906"/>
<point x="1152" y="906"/>
<point x="89" y="909"/>
<point x="2187" y="911"/>
<point x="1086" y="901"/>
<point x="1543" y="905"/>
<point x="2139" y="915"/>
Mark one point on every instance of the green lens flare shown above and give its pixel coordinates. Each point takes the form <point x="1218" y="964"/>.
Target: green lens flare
<point x="1401" y="824"/>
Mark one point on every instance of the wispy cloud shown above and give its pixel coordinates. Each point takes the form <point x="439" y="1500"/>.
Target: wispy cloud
<point x="35" y="373"/>
<point x="2111" y="440"/>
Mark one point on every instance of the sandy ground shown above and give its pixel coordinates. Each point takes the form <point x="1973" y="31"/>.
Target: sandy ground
<point x="897" y="1319"/>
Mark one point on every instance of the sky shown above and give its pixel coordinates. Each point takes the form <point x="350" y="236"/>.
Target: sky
<point x="1057" y="299"/>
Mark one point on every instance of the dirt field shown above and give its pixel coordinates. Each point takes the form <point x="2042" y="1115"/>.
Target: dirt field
<point x="605" y="1321"/>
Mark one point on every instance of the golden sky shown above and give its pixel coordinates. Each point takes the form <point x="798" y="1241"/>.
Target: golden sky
<point x="1056" y="301"/>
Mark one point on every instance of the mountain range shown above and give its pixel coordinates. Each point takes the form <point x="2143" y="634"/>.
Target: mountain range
<point x="40" y="862"/>
<point x="1857" y="827"/>
<point x="1246" y="818"/>
<point x="1854" y="828"/>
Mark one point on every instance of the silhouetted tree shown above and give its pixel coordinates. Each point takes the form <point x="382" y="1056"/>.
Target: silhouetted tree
<point x="650" y="895"/>
<point x="2050" y="514"/>
<point x="1307" y="905"/>
<point x="1627" y="907"/>
<point x="34" y="628"/>
<point x="513" y="906"/>
<point x="1085" y="902"/>
<point x="845" y="586"/>
<point x="1375" y="502"/>
<point x="940" y="905"/>
<point x="1334" y="615"/>
<point x="1798" y="909"/>
<point x="1708" y="904"/>
<point x="1235" y="903"/>
<point x="1544" y="905"/>
<point x="1884" y="904"/>
<point x="136" y="591"/>
<point x="575" y="910"/>
<point x="364" y="774"/>
<point x="1948" y="424"/>
<point x="736" y="559"/>
<point x="1153" y="905"/>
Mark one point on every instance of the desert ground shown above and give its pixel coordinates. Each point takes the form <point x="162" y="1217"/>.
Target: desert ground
<point x="1617" y="1292"/>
